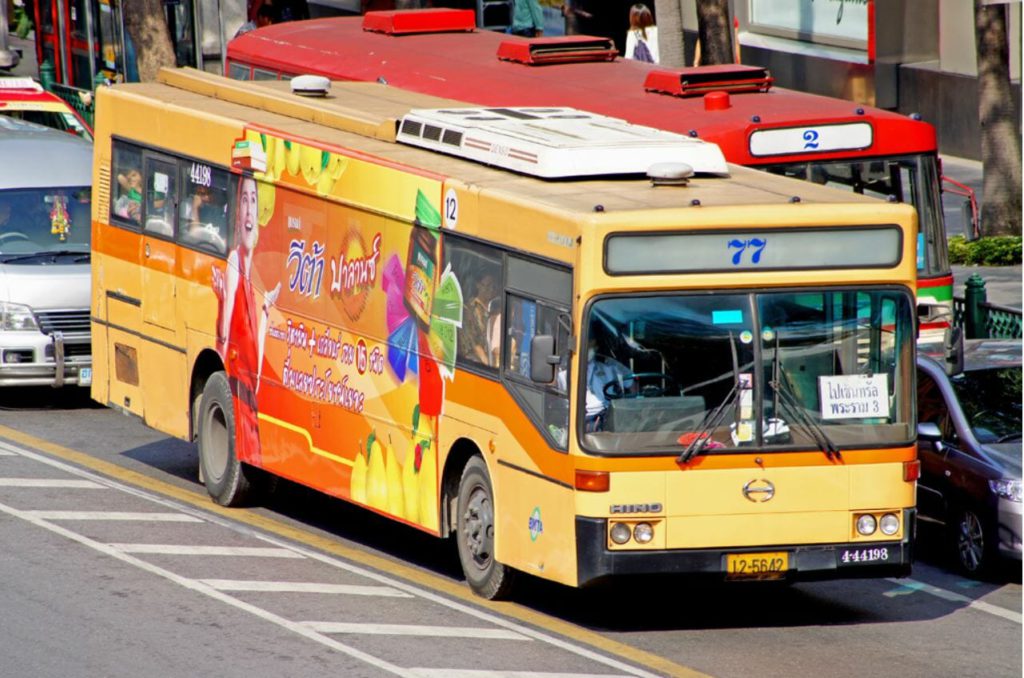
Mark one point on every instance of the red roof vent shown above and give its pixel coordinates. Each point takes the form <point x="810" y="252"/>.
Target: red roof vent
<point x="559" y="50"/>
<point x="689" y="82"/>
<point x="405" y="22"/>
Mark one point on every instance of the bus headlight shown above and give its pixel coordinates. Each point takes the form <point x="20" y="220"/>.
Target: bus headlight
<point x="889" y="524"/>
<point x="16" y="317"/>
<point x="620" y="533"/>
<point x="866" y="524"/>
<point x="643" y="533"/>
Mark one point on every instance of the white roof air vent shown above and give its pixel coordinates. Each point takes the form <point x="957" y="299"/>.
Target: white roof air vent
<point x="555" y="142"/>
<point x="311" y="85"/>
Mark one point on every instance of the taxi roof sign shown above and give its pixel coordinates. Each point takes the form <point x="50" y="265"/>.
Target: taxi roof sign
<point x="20" y="83"/>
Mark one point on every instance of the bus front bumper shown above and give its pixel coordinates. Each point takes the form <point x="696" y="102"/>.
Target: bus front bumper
<point x="806" y="562"/>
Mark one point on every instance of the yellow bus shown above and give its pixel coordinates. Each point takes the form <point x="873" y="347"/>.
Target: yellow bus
<point x="583" y="348"/>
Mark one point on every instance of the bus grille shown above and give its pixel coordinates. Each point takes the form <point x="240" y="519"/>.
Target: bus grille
<point x="68" y="322"/>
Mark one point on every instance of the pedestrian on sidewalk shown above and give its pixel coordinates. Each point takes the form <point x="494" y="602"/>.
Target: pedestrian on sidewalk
<point x="527" y="19"/>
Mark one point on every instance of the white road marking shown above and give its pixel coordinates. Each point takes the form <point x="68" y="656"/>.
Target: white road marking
<point x="304" y="587"/>
<point x="414" y="630"/>
<point x="8" y="453"/>
<point x="912" y="585"/>
<point x="472" y="673"/>
<point x="199" y="587"/>
<point x="365" y="572"/>
<point x="115" y="515"/>
<point x="186" y="550"/>
<point x="50" y="482"/>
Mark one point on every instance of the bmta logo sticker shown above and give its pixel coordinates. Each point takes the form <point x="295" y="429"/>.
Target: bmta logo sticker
<point x="536" y="524"/>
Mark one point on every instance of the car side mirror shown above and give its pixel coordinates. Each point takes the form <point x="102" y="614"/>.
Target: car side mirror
<point x="542" y="358"/>
<point x="929" y="431"/>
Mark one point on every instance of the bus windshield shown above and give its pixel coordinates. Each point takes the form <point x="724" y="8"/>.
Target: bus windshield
<point x="39" y="220"/>
<point x="913" y="179"/>
<point x="771" y="370"/>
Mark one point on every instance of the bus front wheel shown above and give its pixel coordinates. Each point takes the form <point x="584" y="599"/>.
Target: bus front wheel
<point x="475" y="534"/>
<point x="225" y="477"/>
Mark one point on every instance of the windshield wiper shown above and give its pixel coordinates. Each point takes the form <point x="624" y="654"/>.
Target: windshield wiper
<point x="782" y="388"/>
<point x="712" y="420"/>
<point x="13" y="258"/>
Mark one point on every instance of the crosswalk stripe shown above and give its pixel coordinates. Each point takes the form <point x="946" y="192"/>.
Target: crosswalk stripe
<point x="414" y="630"/>
<point x="115" y="515"/>
<point x="304" y="587"/>
<point x="50" y="482"/>
<point x="183" y="550"/>
<point x="476" y="673"/>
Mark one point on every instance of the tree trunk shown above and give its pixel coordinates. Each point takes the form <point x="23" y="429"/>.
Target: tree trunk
<point x="146" y="26"/>
<point x="714" y="32"/>
<point x="1000" y="133"/>
<point x="670" y="33"/>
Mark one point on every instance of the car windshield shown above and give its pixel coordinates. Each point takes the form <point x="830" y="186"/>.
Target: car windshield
<point x="41" y="220"/>
<point x="771" y="370"/>
<point x="913" y="179"/>
<point x="991" y="401"/>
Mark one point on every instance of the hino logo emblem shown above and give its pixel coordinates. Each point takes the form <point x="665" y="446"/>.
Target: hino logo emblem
<point x="635" y="508"/>
<point x="759" y="490"/>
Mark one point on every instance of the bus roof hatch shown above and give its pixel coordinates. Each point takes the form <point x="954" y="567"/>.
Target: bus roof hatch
<point x="554" y="142"/>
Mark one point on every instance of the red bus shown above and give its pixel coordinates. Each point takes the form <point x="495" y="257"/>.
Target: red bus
<point x="822" y="139"/>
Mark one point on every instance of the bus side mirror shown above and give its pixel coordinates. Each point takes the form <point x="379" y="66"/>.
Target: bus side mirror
<point x="969" y="221"/>
<point x="542" y="358"/>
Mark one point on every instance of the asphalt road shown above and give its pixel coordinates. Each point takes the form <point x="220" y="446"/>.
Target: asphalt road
<point x="126" y="596"/>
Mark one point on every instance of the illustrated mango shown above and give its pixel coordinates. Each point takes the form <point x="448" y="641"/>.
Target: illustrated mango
<point x="393" y="473"/>
<point x="311" y="164"/>
<point x="411" y="482"/>
<point x="277" y="167"/>
<point x="265" y="194"/>
<point x="427" y="476"/>
<point x="292" y="162"/>
<point x="357" y="486"/>
<point x="376" y="477"/>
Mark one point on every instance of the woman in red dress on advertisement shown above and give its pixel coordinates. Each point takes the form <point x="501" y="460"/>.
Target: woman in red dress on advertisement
<point x="243" y="323"/>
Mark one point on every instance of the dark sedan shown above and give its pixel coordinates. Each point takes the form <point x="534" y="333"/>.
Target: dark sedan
<point x="969" y="444"/>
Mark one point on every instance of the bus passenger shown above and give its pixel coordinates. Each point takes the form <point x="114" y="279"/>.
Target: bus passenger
<point x="129" y="200"/>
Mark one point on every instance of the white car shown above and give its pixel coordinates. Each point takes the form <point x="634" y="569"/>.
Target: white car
<point x="45" y="224"/>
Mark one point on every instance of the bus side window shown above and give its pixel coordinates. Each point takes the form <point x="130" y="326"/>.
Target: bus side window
<point x="160" y="197"/>
<point x="238" y="71"/>
<point x="203" y="214"/>
<point x="479" y="271"/>
<point x="126" y="196"/>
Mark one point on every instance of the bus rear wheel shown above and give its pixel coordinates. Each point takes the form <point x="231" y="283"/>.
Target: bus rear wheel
<point x="225" y="477"/>
<point x="475" y="534"/>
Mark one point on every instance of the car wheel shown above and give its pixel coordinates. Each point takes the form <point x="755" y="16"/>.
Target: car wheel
<point x="972" y="542"/>
<point x="225" y="477"/>
<point x="475" y="534"/>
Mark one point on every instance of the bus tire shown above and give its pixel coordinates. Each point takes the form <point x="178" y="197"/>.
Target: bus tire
<point x="225" y="477"/>
<point x="475" y="526"/>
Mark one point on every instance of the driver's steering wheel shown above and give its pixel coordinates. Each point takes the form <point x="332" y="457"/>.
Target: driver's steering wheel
<point x="614" y="390"/>
<point x="13" y="234"/>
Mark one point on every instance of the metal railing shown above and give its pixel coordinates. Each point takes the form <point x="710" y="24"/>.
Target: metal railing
<point x="981" y="319"/>
<point x="79" y="99"/>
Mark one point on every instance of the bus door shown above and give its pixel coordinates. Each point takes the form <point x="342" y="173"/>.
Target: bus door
<point x="65" y="35"/>
<point x="158" y="257"/>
